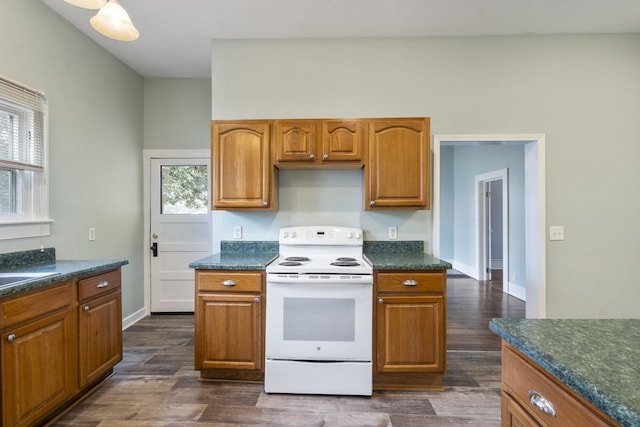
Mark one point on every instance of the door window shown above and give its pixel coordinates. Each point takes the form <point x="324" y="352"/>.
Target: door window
<point x="184" y="189"/>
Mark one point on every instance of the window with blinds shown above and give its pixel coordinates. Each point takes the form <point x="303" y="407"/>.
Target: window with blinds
<point x="23" y="186"/>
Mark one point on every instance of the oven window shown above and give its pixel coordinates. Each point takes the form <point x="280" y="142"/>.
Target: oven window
<point x="319" y="319"/>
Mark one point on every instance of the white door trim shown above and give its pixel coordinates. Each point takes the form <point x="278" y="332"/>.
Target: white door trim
<point x="535" y="196"/>
<point x="147" y="155"/>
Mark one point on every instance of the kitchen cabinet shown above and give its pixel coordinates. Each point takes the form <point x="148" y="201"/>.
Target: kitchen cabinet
<point x="58" y="342"/>
<point x="318" y="143"/>
<point x="532" y="397"/>
<point x="229" y="325"/>
<point x="242" y="176"/>
<point x="397" y="166"/>
<point x="409" y="330"/>
<point x="99" y="325"/>
<point x="39" y="354"/>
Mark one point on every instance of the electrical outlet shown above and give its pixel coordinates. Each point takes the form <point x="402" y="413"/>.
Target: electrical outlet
<point x="556" y="232"/>
<point x="237" y="232"/>
<point x="92" y="234"/>
<point x="393" y="232"/>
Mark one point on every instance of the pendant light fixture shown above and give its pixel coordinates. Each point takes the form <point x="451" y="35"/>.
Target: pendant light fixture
<point x="88" y="4"/>
<point x="114" y="22"/>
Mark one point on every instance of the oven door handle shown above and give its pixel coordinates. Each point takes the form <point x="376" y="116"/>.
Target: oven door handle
<point x="287" y="279"/>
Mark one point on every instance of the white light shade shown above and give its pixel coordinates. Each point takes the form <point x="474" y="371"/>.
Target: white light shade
<point x="88" y="4"/>
<point x="114" y="22"/>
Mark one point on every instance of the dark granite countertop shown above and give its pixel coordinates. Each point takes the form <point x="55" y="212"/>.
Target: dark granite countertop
<point x="597" y="358"/>
<point x="383" y="255"/>
<point x="44" y="262"/>
<point x="243" y="255"/>
<point x="401" y="256"/>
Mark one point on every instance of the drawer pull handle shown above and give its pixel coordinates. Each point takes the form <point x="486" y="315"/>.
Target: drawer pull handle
<point x="410" y="282"/>
<point x="541" y="403"/>
<point x="11" y="337"/>
<point x="228" y="282"/>
<point x="256" y="299"/>
<point x="87" y="308"/>
<point x="381" y="301"/>
<point x="102" y="284"/>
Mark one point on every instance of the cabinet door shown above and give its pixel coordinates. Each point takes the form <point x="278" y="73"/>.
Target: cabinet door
<point x="397" y="171"/>
<point x="100" y="336"/>
<point x="410" y="334"/>
<point x="39" y="368"/>
<point x="241" y="165"/>
<point x="513" y="415"/>
<point x="295" y="140"/>
<point x="342" y="140"/>
<point x="229" y="331"/>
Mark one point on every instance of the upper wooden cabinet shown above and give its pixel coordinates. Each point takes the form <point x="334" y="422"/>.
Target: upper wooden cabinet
<point x="242" y="173"/>
<point x="397" y="167"/>
<point x="329" y="143"/>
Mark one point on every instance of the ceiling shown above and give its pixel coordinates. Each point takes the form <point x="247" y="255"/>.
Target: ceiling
<point x="175" y="35"/>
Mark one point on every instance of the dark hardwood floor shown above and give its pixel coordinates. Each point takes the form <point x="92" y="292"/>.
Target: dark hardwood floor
<point x="155" y="384"/>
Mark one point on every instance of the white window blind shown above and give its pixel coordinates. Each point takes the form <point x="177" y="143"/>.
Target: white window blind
<point x="22" y="116"/>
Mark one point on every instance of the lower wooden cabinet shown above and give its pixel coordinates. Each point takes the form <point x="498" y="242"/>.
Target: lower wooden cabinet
<point x="99" y="325"/>
<point x="53" y="349"/>
<point x="39" y="357"/>
<point x="532" y="397"/>
<point x="410" y="347"/>
<point x="229" y="325"/>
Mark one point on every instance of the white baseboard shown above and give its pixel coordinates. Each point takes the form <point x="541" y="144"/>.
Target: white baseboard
<point x="518" y="291"/>
<point x="133" y="319"/>
<point x="466" y="269"/>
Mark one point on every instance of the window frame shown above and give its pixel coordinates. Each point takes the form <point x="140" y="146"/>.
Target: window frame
<point x="31" y="216"/>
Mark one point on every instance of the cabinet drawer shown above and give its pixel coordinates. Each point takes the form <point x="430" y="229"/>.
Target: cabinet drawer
<point x="98" y="285"/>
<point x="31" y="306"/>
<point x="410" y="282"/>
<point x="229" y="282"/>
<point x="520" y="377"/>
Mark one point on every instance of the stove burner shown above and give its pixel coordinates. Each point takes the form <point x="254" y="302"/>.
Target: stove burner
<point x="297" y="258"/>
<point x="345" y="258"/>
<point x="353" y="263"/>
<point x="289" y="263"/>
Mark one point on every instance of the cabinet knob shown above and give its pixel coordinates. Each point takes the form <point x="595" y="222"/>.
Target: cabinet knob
<point x="371" y="203"/>
<point x="102" y="284"/>
<point x="540" y="402"/>
<point x="11" y="337"/>
<point x="381" y="300"/>
<point x="311" y="156"/>
<point x="256" y="299"/>
<point x="265" y="204"/>
<point x="228" y="282"/>
<point x="410" y="282"/>
<point x="86" y="308"/>
<point x="325" y="157"/>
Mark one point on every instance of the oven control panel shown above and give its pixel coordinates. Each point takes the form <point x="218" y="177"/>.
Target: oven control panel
<point x="321" y="235"/>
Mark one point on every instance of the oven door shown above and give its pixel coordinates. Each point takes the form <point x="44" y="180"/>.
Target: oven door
<point x="319" y="321"/>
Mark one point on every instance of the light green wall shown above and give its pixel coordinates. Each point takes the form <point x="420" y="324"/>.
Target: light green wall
<point x="582" y="92"/>
<point x="177" y="113"/>
<point x="95" y="139"/>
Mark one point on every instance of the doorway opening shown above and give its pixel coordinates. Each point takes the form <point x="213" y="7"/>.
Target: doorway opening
<point x="534" y="208"/>
<point x="492" y="227"/>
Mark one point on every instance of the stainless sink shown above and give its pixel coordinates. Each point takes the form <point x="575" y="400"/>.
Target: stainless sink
<point x="13" y="278"/>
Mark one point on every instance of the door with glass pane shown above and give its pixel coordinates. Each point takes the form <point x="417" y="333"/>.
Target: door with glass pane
<point x="180" y="230"/>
